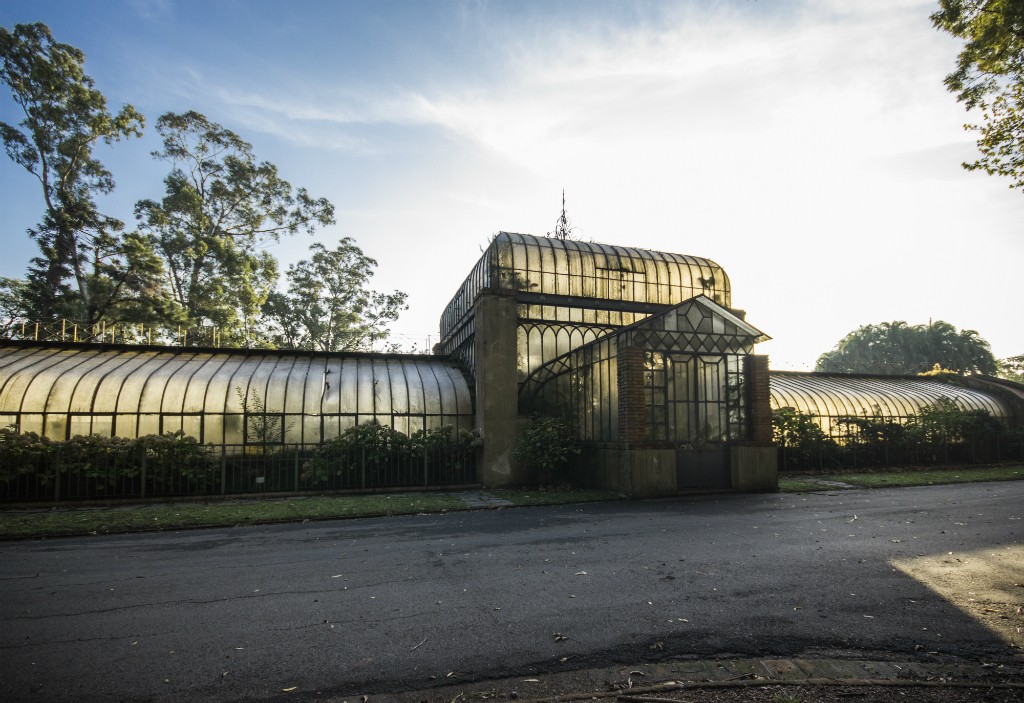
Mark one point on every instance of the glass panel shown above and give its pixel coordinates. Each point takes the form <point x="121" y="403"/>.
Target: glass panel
<point x="365" y="392"/>
<point x="56" y="426"/>
<point x="280" y="384"/>
<point x="213" y="429"/>
<point x="103" y="425"/>
<point x="381" y="388"/>
<point x="311" y="432"/>
<point x="192" y="425"/>
<point x="433" y="389"/>
<point x="399" y="387"/>
<point x="31" y="422"/>
<point x="348" y="386"/>
<point x="149" y="424"/>
<point x="233" y="428"/>
<point x="401" y="424"/>
<point x="79" y="425"/>
<point x="202" y="368"/>
<point x="293" y="427"/>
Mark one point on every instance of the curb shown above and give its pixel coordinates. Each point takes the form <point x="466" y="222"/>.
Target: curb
<point x="638" y="683"/>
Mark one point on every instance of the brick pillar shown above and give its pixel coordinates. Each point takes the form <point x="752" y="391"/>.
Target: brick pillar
<point x="632" y="414"/>
<point x="759" y="404"/>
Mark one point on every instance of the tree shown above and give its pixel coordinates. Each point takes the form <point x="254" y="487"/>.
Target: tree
<point x="899" y="348"/>
<point x="328" y="305"/>
<point x="1012" y="368"/>
<point x="87" y="269"/>
<point x="220" y="206"/>
<point x="990" y="75"/>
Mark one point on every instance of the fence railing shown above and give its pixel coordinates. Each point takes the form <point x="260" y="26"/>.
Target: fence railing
<point x="108" y="333"/>
<point x="827" y="455"/>
<point x="128" y="472"/>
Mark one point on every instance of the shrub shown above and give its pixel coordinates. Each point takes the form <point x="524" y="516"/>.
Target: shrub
<point x="545" y="446"/>
<point x="368" y="447"/>
<point x="23" y="454"/>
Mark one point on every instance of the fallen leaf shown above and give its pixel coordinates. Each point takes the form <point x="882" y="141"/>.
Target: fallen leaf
<point x="289" y="690"/>
<point x="581" y="573"/>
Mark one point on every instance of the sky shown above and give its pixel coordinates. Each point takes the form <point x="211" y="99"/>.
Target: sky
<point x="810" y="148"/>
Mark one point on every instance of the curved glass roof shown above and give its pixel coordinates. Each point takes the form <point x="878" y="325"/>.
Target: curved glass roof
<point x="899" y="397"/>
<point x="39" y="383"/>
<point x="539" y="267"/>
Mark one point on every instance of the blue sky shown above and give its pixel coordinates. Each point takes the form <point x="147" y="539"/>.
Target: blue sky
<point x="808" y="147"/>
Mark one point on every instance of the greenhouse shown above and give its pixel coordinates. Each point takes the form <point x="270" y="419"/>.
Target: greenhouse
<point x="827" y="421"/>
<point x="640" y="351"/>
<point x="829" y="397"/>
<point x="63" y="390"/>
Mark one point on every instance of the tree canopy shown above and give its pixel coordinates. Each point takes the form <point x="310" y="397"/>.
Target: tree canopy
<point x="989" y="75"/>
<point x="1012" y="368"/>
<point x="220" y="205"/>
<point x="328" y="306"/>
<point x="898" y="348"/>
<point x="198" y="259"/>
<point x="88" y="267"/>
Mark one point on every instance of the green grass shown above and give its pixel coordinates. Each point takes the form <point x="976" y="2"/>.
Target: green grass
<point x="88" y="520"/>
<point x="901" y="477"/>
<point x="18" y="524"/>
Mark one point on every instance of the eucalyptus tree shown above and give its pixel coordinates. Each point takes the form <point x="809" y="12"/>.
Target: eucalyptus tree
<point x="220" y="208"/>
<point x="989" y="75"/>
<point x="87" y="268"/>
<point x="899" y="348"/>
<point x="328" y="305"/>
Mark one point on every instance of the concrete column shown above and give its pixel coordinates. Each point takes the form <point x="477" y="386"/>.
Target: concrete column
<point x="497" y="389"/>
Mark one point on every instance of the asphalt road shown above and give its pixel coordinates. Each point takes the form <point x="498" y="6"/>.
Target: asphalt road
<point x="303" y="612"/>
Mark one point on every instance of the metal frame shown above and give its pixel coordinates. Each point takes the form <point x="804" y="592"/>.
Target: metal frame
<point x="583" y="383"/>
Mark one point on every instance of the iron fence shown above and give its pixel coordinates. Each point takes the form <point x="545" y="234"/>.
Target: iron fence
<point x="127" y="472"/>
<point x="825" y="454"/>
